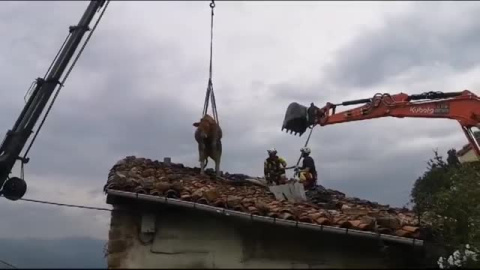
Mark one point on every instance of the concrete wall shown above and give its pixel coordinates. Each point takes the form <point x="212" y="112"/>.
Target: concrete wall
<point x="186" y="238"/>
<point x="468" y="157"/>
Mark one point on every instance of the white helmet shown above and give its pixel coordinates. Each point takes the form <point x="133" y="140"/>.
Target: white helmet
<point x="272" y="151"/>
<point x="305" y="150"/>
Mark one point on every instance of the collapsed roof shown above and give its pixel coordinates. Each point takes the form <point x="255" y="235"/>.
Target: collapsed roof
<point x="324" y="207"/>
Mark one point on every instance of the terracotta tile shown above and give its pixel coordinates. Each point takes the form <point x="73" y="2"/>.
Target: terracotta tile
<point x="248" y="201"/>
<point x="262" y="207"/>
<point x="253" y="210"/>
<point x="325" y="206"/>
<point x="323" y="221"/>
<point x="197" y="195"/>
<point x="161" y="187"/>
<point x="233" y="201"/>
<point x="410" y="229"/>
<point x="220" y="203"/>
<point x="177" y="186"/>
<point x="155" y="192"/>
<point x="344" y="224"/>
<point x="287" y="216"/>
<point x="211" y="194"/>
<point x="355" y="211"/>
<point x="366" y="226"/>
<point x="306" y="219"/>
<point x="315" y="216"/>
<point x="148" y="172"/>
<point x="341" y="221"/>
<point x="273" y="215"/>
<point x="286" y="210"/>
<point x="355" y="223"/>
<point x="403" y="233"/>
<point x="186" y="197"/>
<point x="368" y="220"/>
<point x="239" y="208"/>
<point x="248" y="204"/>
<point x="202" y="200"/>
<point x="389" y="222"/>
<point x="185" y="192"/>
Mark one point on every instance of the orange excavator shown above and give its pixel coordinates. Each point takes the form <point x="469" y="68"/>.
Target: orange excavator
<point x="462" y="106"/>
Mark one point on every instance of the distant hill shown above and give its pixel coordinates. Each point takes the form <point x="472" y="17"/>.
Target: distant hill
<point x="57" y="253"/>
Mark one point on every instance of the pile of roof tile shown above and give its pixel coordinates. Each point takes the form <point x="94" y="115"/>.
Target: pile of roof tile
<point x="324" y="207"/>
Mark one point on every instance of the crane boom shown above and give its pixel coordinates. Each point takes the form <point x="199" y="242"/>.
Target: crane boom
<point x="462" y="106"/>
<point x="16" y="138"/>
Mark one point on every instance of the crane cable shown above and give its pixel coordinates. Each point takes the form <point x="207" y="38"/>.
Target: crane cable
<point x="210" y="94"/>
<point x="61" y="83"/>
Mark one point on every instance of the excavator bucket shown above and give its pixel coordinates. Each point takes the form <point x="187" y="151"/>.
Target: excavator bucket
<point x="296" y="120"/>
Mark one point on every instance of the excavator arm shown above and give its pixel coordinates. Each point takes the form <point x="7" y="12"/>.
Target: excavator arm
<point x="461" y="106"/>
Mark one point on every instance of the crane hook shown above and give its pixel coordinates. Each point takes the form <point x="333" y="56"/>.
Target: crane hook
<point x="212" y="5"/>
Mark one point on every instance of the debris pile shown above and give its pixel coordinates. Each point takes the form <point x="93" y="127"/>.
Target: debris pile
<point x="324" y="206"/>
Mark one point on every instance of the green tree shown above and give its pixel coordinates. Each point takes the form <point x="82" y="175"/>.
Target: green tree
<point x="447" y="197"/>
<point x="434" y="179"/>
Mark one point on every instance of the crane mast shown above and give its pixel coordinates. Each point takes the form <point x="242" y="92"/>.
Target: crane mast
<point x="16" y="138"/>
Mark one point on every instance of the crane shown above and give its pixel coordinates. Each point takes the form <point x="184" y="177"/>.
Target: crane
<point x="463" y="106"/>
<point x="39" y="94"/>
<point x="13" y="188"/>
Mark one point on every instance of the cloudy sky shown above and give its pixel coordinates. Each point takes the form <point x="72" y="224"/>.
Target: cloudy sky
<point x="140" y="84"/>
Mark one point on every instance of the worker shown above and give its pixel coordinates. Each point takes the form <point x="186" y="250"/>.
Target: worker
<point x="308" y="172"/>
<point x="274" y="168"/>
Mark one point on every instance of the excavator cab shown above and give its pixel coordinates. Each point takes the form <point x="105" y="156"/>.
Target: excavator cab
<point x="298" y="118"/>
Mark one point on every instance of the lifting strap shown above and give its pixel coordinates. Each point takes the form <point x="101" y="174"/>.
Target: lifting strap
<point x="210" y="94"/>
<point x="306" y="143"/>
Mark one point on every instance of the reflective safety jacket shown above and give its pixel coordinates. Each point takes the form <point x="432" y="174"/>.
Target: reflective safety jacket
<point x="274" y="166"/>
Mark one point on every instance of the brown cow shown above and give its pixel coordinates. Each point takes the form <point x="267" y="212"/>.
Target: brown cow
<point x="209" y="138"/>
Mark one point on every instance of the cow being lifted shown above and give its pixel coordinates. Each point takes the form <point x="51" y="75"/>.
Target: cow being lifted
<point x="209" y="138"/>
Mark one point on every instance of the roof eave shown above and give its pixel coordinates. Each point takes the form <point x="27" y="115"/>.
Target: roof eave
<point x="281" y="222"/>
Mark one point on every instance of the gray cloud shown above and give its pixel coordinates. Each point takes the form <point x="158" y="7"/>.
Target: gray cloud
<point x="431" y="34"/>
<point x="389" y="154"/>
<point x="139" y="86"/>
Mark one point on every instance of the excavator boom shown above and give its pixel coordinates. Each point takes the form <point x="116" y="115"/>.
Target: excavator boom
<point x="461" y="106"/>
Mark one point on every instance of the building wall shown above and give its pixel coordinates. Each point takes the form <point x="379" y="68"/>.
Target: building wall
<point x="186" y="238"/>
<point x="468" y="157"/>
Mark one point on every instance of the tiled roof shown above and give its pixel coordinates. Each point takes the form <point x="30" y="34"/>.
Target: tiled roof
<point x="325" y="207"/>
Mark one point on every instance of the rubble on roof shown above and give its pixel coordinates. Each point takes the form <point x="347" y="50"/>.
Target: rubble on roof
<point x="324" y="206"/>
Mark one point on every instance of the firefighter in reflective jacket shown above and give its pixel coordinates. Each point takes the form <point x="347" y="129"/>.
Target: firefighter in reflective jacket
<point x="308" y="172"/>
<point x="274" y="168"/>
